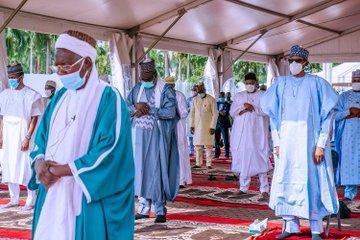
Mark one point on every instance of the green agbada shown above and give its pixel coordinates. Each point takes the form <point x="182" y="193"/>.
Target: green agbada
<point x="107" y="208"/>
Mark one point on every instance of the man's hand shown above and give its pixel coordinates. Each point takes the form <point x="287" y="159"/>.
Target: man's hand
<point x="249" y="107"/>
<point x="43" y="174"/>
<point x="212" y="131"/>
<point x="192" y="130"/>
<point x="25" y="145"/>
<point x="354" y="112"/>
<point x="277" y="151"/>
<point x="318" y="155"/>
<point x="143" y="108"/>
<point x="222" y="113"/>
<point x="60" y="170"/>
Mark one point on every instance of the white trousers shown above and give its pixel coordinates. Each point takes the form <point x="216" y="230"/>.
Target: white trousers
<point x="200" y="153"/>
<point x="292" y="225"/>
<point x="263" y="179"/>
<point x="14" y="190"/>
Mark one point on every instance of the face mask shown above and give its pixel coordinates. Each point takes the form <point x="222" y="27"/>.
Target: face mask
<point x="295" y="68"/>
<point x="73" y="81"/>
<point x="48" y="93"/>
<point x="147" y="84"/>
<point x="13" y="83"/>
<point x="250" y="88"/>
<point x="356" y="86"/>
<point x="202" y="95"/>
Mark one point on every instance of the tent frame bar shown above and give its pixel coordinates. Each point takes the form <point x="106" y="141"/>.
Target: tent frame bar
<point x="244" y="52"/>
<point x="181" y="13"/>
<point x="168" y="15"/>
<point x="288" y="18"/>
<point x="12" y="15"/>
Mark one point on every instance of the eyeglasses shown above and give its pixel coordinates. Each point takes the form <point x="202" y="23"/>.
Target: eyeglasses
<point x="295" y="60"/>
<point x="65" y="68"/>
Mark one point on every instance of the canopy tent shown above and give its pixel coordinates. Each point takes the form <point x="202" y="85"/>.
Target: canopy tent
<point x="254" y="30"/>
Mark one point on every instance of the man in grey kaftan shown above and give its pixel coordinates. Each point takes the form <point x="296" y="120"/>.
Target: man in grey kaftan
<point x="153" y="108"/>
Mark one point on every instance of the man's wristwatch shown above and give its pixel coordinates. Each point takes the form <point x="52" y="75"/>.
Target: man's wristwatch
<point x="28" y="136"/>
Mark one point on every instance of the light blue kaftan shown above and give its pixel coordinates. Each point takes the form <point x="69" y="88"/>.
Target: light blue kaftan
<point x="300" y="116"/>
<point x="155" y="145"/>
<point x="109" y="211"/>
<point x="347" y="141"/>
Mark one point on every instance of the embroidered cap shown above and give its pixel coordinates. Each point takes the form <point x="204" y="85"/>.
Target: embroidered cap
<point x="298" y="51"/>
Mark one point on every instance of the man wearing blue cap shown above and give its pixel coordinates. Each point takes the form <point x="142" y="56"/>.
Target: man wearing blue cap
<point x="300" y="110"/>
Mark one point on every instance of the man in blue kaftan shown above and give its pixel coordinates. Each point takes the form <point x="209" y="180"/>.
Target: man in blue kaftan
<point x="347" y="140"/>
<point x="83" y="163"/>
<point x="153" y="106"/>
<point x="300" y="110"/>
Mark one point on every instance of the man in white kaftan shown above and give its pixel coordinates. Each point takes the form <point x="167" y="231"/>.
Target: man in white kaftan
<point x="184" y="159"/>
<point x="203" y="119"/>
<point x="249" y="138"/>
<point x="300" y="110"/>
<point x="20" y="107"/>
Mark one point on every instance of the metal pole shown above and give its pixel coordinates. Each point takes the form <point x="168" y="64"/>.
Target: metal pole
<point x="245" y="51"/>
<point x="12" y="15"/>
<point x="181" y="13"/>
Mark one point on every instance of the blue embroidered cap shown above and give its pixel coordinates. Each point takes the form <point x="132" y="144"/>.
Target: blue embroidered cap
<point x="298" y="51"/>
<point x="356" y="73"/>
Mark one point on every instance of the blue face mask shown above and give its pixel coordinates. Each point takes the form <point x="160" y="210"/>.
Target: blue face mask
<point x="13" y="83"/>
<point x="147" y="84"/>
<point x="73" y="81"/>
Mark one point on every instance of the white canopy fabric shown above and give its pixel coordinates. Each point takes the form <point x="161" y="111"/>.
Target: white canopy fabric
<point x="332" y="26"/>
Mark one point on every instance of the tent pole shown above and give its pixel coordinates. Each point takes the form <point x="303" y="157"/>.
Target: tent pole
<point x="181" y="13"/>
<point x="12" y="15"/>
<point x="245" y="51"/>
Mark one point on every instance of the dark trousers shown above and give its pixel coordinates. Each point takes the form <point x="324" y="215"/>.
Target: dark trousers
<point x="224" y="133"/>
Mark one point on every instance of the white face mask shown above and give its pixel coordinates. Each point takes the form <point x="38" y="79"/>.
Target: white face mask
<point x="356" y="86"/>
<point x="295" y="68"/>
<point x="250" y="88"/>
<point x="48" y="93"/>
<point x="202" y="95"/>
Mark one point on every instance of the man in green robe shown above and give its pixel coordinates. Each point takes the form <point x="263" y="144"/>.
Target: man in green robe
<point x="83" y="162"/>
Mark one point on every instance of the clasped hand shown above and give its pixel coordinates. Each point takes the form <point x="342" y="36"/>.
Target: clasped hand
<point x="249" y="107"/>
<point x="49" y="172"/>
<point x="142" y="109"/>
<point x="354" y="112"/>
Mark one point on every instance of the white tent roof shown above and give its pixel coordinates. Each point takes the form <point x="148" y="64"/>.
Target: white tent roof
<point x="331" y="26"/>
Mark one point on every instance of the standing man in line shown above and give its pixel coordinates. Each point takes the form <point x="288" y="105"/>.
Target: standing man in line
<point x="19" y="107"/>
<point x="300" y="110"/>
<point x="203" y="118"/>
<point x="50" y="89"/>
<point x="83" y="155"/>
<point x="347" y="140"/>
<point x="184" y="159"/>
<point x="222" y="126"/>
<point x="153" y="107"/>
<point x="250" y="138"/>
<point x="188" y="105"/>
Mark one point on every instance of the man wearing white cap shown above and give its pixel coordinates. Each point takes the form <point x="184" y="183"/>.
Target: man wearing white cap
<point x="83" y="155"/>
<point x="300" y="110"/>
<point x="203" y="119"/>
<point x="347" y="140"/>
<point x="20" y="108"/>
<point x="184" y="159"/>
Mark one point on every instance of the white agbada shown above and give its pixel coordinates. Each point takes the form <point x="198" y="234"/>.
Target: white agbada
<point x="185" y="167"/>
<point x="70" y="132"/>
<point x="17" y="107"/>
<point x="249" y="137"/>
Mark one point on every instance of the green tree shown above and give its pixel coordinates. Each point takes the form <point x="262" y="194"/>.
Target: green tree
<point x="102" y="59"/>
<point x="241" y="68"/>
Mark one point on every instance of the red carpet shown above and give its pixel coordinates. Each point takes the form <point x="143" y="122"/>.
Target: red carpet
<point x="15" y="234"/>
<point x="305" y="234"/>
